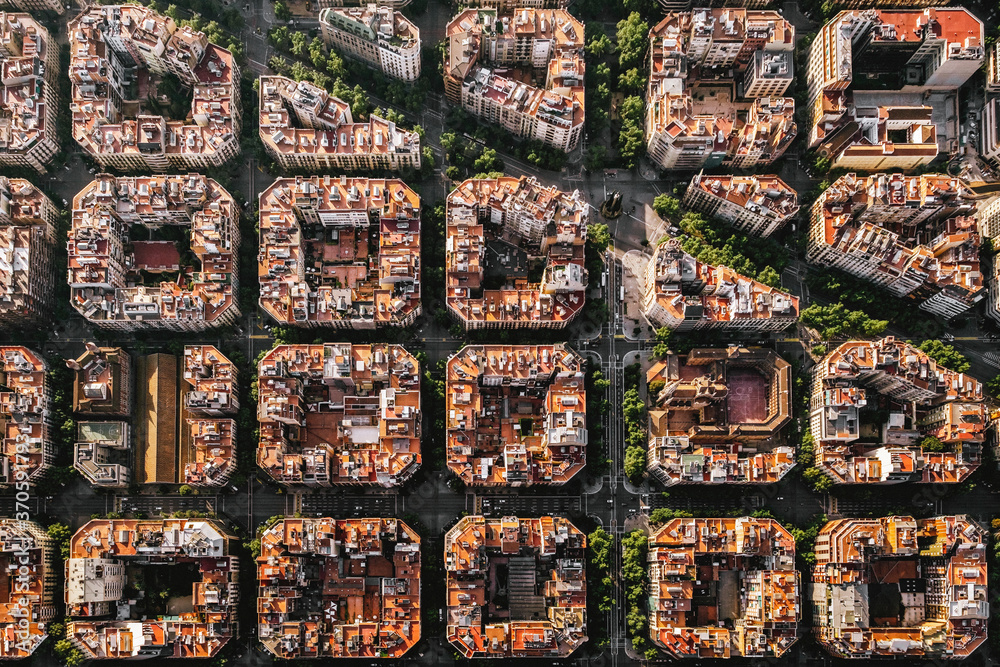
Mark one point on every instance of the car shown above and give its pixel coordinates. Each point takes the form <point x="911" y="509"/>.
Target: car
<point x="611" y="501"/>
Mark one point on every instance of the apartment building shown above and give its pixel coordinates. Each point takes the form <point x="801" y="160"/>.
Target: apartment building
<point x="545" y="612"/>
<point x="684" y="294"/>
<point x="899" y="587"/>
<point x="757" y="205"/>
<point x="496" y="227"/>
<point x="692" y="565"/>
<point x="28" y="554"/>
<point x="113" y="48"/>
<point x="102" y="389"/>
<point x="339" y="588"/>
<point x="882" y="439"/>
<point x="686" y="5"/>
<point x="212" y="378"/>
<point x="700" y="62"/>
<point x="316" y="265"/>
<point x="55" y="6"/>
<point x="990" y="130"/>
<point x="395" y="4"/>
<point x="29" y="82"/>
<point x="522" y="71"/>
<point x="110" y="557"/>
<point x="103" y="454"/>
<point x="25" y="416"/>
<point x="208" y="433"/>
<point x="517" y="414"/>
<point x="377" y="35"/>
<point x="993" y="69"/>
<point x="303" y="127"/>
<point x="872" y="74"/>
<point x="102" y="385"/>
<point x="769" y="74"/>
<point x="126" y="271"/>
<point x="364" y="399"/>
<point x="28" y="222"/>
<point x="717" y="417"/>
<point x="911" y="235"/>
<point x="769" y="129"/>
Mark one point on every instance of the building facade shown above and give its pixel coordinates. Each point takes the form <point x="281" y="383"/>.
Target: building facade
<point x="303" y="127"/>
<point x="757" y="205"/>
<point x="377" y="35"/>
<point x="681" y="293"/>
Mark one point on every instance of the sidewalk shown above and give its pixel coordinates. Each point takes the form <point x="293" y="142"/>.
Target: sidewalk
<point x="634" y="264"/>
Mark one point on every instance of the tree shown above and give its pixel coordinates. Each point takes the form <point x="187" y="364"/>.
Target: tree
<point x="633" y="39"/>
<point x="946" y="355"/>
<point x="632" y="81"/>
<point x="655" y="387"/>
<point x="187" y="490"/>
<point x="993" y="386"/>
<point x="817" y="479"/>
<point x="452" y="172"/>
<point x="598" y="236"/>
<point x="281" y="11"/>
<point x="769" y="277"/>
<point x="599" y="46"/>
<point x="666" y="206"/>
<point x="931" y="444"/>
<point x="596" y="156"/>
<point x="488" y="161"/>
<point x="631" y="141"/>
<point x="635" y="463"/>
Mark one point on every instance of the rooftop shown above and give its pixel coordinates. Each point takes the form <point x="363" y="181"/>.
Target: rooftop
<point x="899" y="587"/>
<point x="493" y="227"/>
<point x="723" y="588"/>
<point x="102" y="383"/>
<point x="27" y="66"/>
<point x="321" y="261"/>
<point x="103" y="556"/>
<point x="689" y="291"/>
<point x="25" y="419"/>
<point x="368" y="430"/>
<point x="718" y="416"/>
<point x="104" y="38"/>
<point x="26" y="548"/>
<point x="541" y="562"/>
<point x="853" y="444"/>
<point x="112" y="275"/>
<point x="517" y="414"/>
<point x="345" y="588"/>
<point x="286" y="106"/>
